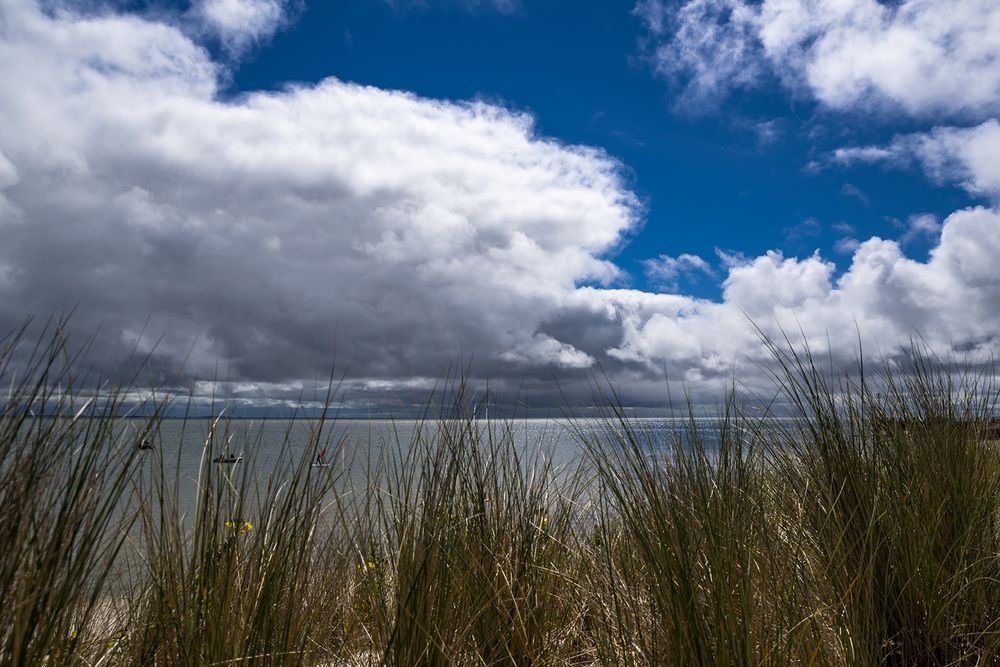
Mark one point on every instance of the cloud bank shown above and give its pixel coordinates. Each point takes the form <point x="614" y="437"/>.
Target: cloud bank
<point x="408" y="230"/>
<point x="254" y="238"/>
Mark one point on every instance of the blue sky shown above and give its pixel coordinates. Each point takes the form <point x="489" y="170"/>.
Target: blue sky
<point x="238" y="191"/>
<point x="734" y="176"/>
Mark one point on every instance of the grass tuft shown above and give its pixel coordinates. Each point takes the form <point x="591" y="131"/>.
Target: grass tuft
<point x="859" y="526"/>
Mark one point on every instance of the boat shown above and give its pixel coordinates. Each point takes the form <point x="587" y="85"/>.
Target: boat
<point x="146" y="444"/>
<point x="321" y="461"/>
<point x="227" y="459"/>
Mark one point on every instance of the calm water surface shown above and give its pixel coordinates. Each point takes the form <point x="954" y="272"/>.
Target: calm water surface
<point x="271" y="449"/>
<point x="269" y="445"/>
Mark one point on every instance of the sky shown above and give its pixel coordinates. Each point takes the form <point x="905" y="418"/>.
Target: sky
<point x="538" y="192"/>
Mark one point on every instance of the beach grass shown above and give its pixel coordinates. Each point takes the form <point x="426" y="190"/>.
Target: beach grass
<point x="860" y="528"/>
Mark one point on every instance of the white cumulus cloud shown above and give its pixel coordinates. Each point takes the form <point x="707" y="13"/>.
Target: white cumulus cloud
<point x="406" y="228"/>
<point x="241" y="23"/>
<point x="921" y="56"/>
<point x="952" y="301"/>
<point x="966" y="156"/>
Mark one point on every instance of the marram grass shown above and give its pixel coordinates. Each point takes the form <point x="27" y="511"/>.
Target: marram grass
<point x="863" y="531"/>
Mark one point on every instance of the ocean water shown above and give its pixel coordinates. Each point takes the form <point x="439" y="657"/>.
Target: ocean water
<point x="268" y="445"/>
<point x="271" y="449"/>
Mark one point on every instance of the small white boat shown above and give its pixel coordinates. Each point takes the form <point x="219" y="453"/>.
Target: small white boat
<point x="227" y="459"/>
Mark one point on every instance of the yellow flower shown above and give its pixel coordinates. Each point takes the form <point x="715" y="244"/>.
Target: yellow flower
<point x="247" y="527"/>
<point x="371" y="566"/>
<point x="545" y="520"/>
<point x="229" y="524"/>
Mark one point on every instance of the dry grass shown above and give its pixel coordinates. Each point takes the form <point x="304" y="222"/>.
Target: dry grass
<point x="863" y="532"/>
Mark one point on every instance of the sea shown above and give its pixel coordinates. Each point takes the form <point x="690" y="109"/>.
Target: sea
<point x="269" y="451"/>
<point x="269" y="445"/>
<point x="172" y="474"/>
